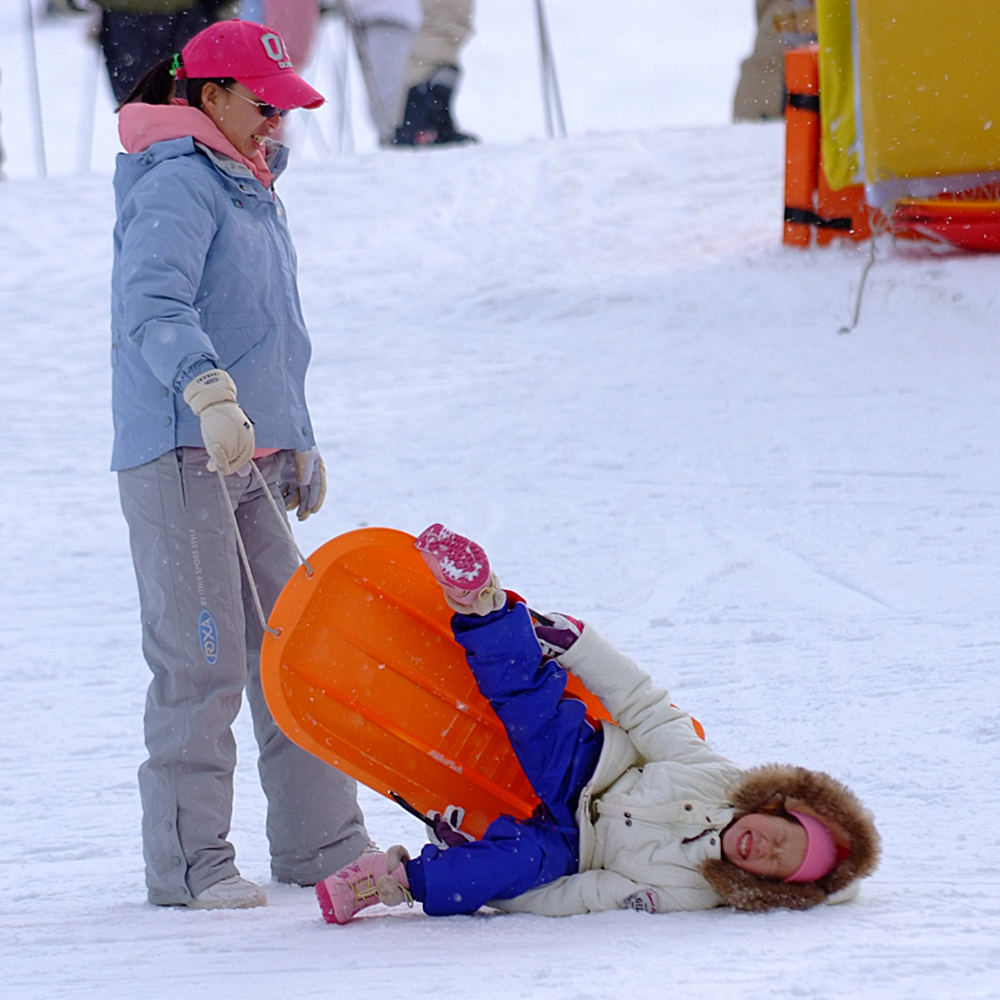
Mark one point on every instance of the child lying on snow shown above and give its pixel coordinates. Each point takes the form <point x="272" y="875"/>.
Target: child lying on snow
<point x="639" y="815"/>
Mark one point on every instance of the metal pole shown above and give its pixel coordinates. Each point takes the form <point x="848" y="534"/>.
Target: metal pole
<point x="340" y="52"/>
<point x="3" y="176"/>
<point x="35" y="92"/>
<point x="543" y="65"/>
<point x="310" y="123"/>
<point x="88" y="100"/>
<point x="551" y="98"/>
<point x="345" y="132"/>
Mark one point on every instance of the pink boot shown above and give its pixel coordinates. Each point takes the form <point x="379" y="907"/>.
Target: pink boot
<point x="462" y="569"/>
<point x="371" y="879"/>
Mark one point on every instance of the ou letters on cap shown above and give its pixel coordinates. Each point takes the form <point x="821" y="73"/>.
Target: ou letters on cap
<point x="251" y="54"/>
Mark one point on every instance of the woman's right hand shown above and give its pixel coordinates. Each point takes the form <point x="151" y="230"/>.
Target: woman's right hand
<point x="225" y="428"/>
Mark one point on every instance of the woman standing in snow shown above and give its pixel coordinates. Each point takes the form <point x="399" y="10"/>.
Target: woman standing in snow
<point x="641" y="814"/>
<point x="209" y="356"/>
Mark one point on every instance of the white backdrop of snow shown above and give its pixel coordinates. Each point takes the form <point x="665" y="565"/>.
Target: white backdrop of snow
<point x="596" y="358"/>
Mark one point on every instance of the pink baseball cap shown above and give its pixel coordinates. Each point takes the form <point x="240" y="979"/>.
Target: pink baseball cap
<point x="252" y="54"/>
<point x="821" y="850"/>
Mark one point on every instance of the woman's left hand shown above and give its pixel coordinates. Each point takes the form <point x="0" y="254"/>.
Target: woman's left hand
<point x="308" y="490"/>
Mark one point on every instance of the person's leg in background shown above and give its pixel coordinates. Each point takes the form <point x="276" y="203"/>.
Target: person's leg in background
<point x="383" y="32"/>
<point x="433" y="73"/>
<point x="297" y="21"/>
<point x="134" y="43"/>
<point x="781" y="25"/>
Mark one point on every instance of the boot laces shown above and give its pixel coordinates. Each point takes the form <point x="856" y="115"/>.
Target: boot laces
<point x="364" y="887"/>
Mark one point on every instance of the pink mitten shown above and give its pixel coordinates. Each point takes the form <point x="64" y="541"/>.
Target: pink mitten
<point x="462" y="569"/>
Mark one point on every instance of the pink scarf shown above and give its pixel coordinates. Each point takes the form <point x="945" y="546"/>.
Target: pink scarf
<point x="140" y="125"/>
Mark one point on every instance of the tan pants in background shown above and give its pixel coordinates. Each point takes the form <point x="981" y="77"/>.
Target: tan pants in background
<point x="447" y="27"/>
<point x="781" y="25"/>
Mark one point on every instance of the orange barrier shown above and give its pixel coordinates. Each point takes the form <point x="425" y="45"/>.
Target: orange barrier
<point x="842" y="214"/>
<point x="366" y="674"/>
<point x="809" y="202"/>
<point x="801" y="143"/>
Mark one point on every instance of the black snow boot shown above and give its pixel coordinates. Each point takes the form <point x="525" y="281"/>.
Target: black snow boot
<point x="427" y="119"/>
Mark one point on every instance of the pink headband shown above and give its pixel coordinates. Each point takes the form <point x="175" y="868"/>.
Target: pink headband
<point x="821" y="850"/>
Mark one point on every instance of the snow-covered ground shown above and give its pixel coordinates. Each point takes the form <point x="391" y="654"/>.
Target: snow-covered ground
<point x="596" y="358"/>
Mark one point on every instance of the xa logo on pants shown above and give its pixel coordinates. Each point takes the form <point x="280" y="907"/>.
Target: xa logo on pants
<point x="208" y="635"/>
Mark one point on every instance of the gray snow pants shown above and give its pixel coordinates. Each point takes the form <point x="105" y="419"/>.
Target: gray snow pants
<point x="201" y="638"/>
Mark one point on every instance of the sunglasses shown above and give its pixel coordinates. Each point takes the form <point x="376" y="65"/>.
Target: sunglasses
<point x="267" y="110"/>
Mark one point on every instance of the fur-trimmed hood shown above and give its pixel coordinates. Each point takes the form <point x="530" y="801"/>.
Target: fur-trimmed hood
<point x="772" y="788"/>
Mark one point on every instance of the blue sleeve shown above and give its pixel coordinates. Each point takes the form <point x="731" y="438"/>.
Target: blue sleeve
<point x="502" y="650"/>
<point x="169" y="223"/>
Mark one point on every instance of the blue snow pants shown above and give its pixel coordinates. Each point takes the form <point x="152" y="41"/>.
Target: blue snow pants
<point x="557" y="747"/>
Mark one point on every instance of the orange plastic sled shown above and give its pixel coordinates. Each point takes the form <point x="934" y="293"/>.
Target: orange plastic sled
<point x="366" y="675"/>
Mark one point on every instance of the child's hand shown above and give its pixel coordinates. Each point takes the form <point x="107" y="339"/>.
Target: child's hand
<point x="445" y="830"/>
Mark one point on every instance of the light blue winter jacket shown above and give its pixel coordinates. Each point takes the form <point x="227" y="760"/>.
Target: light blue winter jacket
<point x="204" y="277"/>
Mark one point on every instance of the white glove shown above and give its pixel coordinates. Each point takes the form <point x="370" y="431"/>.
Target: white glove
<point x="445" y="831"/>
<point x="308" y="491"/>
<point x="225" y="428"/>
<point x="484" y="601"/>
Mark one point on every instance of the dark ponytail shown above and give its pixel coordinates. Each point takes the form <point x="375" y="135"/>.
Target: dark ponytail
<point x="159" y="85"/>
<point x="156" y="87"/>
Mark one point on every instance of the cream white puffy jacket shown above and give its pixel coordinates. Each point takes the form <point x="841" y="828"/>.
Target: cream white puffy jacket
<point x="655" y="807"/>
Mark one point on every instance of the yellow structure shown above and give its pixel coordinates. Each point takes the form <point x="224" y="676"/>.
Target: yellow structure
<point x="910" y="94"/>
<point x="839" y="138"/>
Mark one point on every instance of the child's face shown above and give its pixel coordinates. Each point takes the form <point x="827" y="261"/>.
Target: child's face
<point x="766" y="845"/>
